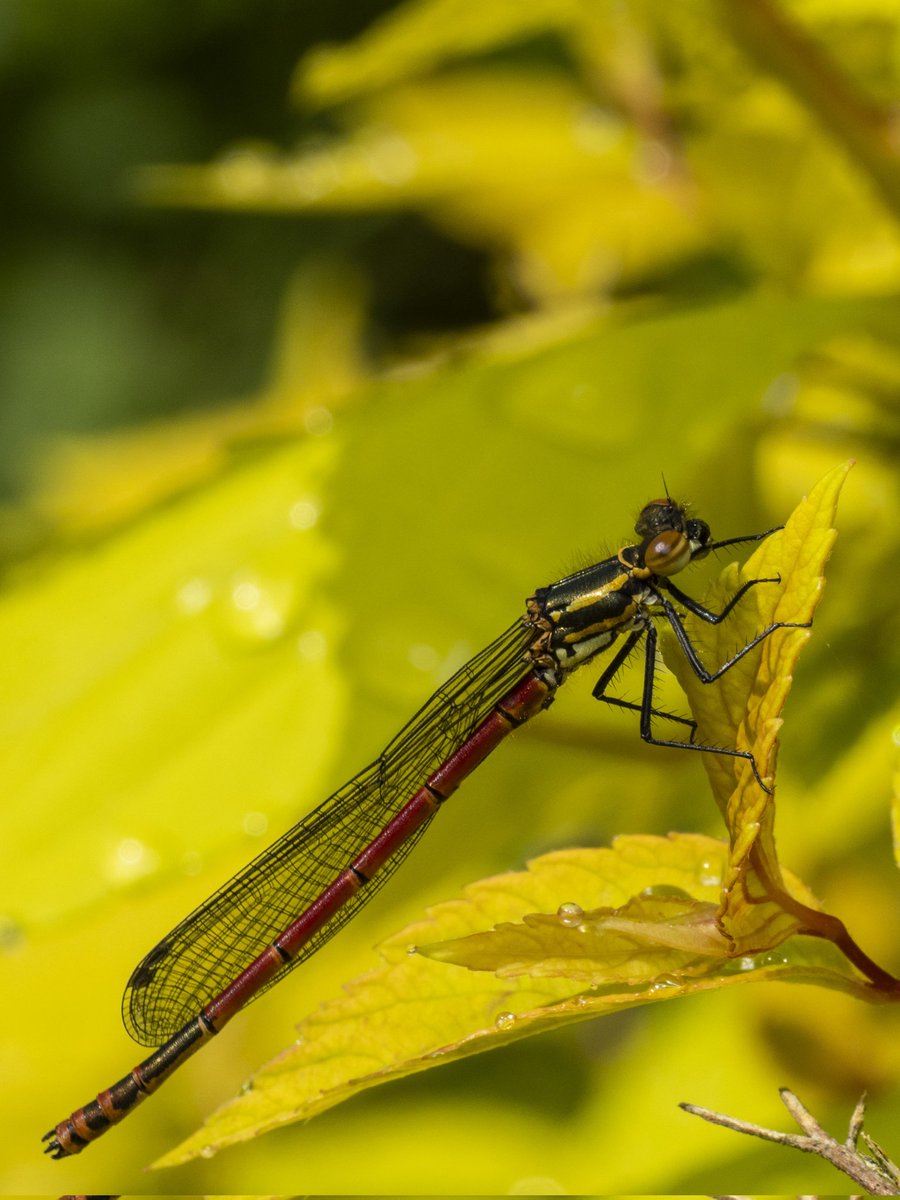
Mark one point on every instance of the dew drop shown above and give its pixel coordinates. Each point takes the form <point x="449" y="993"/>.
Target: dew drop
<point x="504" y="1020"/>
<point x="246" y="596"/>
<point x="130" y="851"/>
<point x="739" y="966"/>
<point x="255" y="824"/>
<point x="318" y="421"/>
<point x="709" y="873"/>
<point x="312" y="645"/>
<point x="665" y="889"/>
<point x="12" y="935"/>
<point x="258" y="610"/>
<point x="193" y="596"/>
<point x="208" y="1152"/>
<point x="663" y="984"/>
<point x="191" y="862"/>
<point x="246" y="1086"/>
<point x="131" y="859"/>
<point x="570" y="914"/>
<point x="304" y="513"/>
<point x="423" y="657"/>
<point x="772" y="958"/>
<point x="412" y="948"/>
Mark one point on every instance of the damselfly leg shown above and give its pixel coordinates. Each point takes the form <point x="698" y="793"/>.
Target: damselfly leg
<point x="649" y="633"/>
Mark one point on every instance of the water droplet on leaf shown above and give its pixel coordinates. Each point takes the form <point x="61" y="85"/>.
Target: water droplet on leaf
<point x="312" y="645"/>
<point x="665" y="889"/>
<point x="258" y="610"/>
<point x="131" y="859"/>
<point x="255" y="823"/>
<point x="709" y="873"/>
<point x="12" y="935"/>
<point x="304" y="513"/>
<point x="193" y="596"/>
<point x="570" y="914"/>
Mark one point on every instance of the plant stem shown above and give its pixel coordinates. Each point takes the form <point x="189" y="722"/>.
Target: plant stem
<point x="869" y="132"/>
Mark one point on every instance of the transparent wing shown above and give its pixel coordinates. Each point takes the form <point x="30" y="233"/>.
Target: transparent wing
<point x="212" y="945"/>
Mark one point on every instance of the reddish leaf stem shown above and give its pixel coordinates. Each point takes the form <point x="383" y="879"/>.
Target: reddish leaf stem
<point x="816" y="923"/>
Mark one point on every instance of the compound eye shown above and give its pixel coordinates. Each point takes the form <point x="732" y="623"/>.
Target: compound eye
<point x="698" y="532"/>
<point x="667" y="553"/>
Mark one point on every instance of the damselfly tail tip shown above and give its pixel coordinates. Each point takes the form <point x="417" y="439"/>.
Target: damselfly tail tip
<point x="57" y="1149"/>
<point x="54" y="1147"/>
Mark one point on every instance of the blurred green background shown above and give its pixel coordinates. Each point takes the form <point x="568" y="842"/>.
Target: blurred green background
<point x="327" y="335"/>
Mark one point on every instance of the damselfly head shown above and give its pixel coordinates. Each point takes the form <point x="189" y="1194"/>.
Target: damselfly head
<point x="658" y="516"/>
<point x="670" y="538"/>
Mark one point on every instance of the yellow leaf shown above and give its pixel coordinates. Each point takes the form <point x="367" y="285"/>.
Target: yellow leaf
<point x="651" y="933"/>
<point x="412" y="1013"/>
<point x="743" y="709"/>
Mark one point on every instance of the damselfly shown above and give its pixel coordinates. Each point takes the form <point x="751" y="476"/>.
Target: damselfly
<point x="296" y="895"/>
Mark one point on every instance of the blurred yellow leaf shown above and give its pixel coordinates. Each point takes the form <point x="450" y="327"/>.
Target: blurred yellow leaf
<point x="90" y="484"/>
<point x="580" y="180"/>
<point x="414" y="38"/>
<point x="458" y="148"/>
<point x="140" y="671"/>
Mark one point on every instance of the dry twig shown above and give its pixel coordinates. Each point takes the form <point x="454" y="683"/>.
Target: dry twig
<point x="870" y="1167"/>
